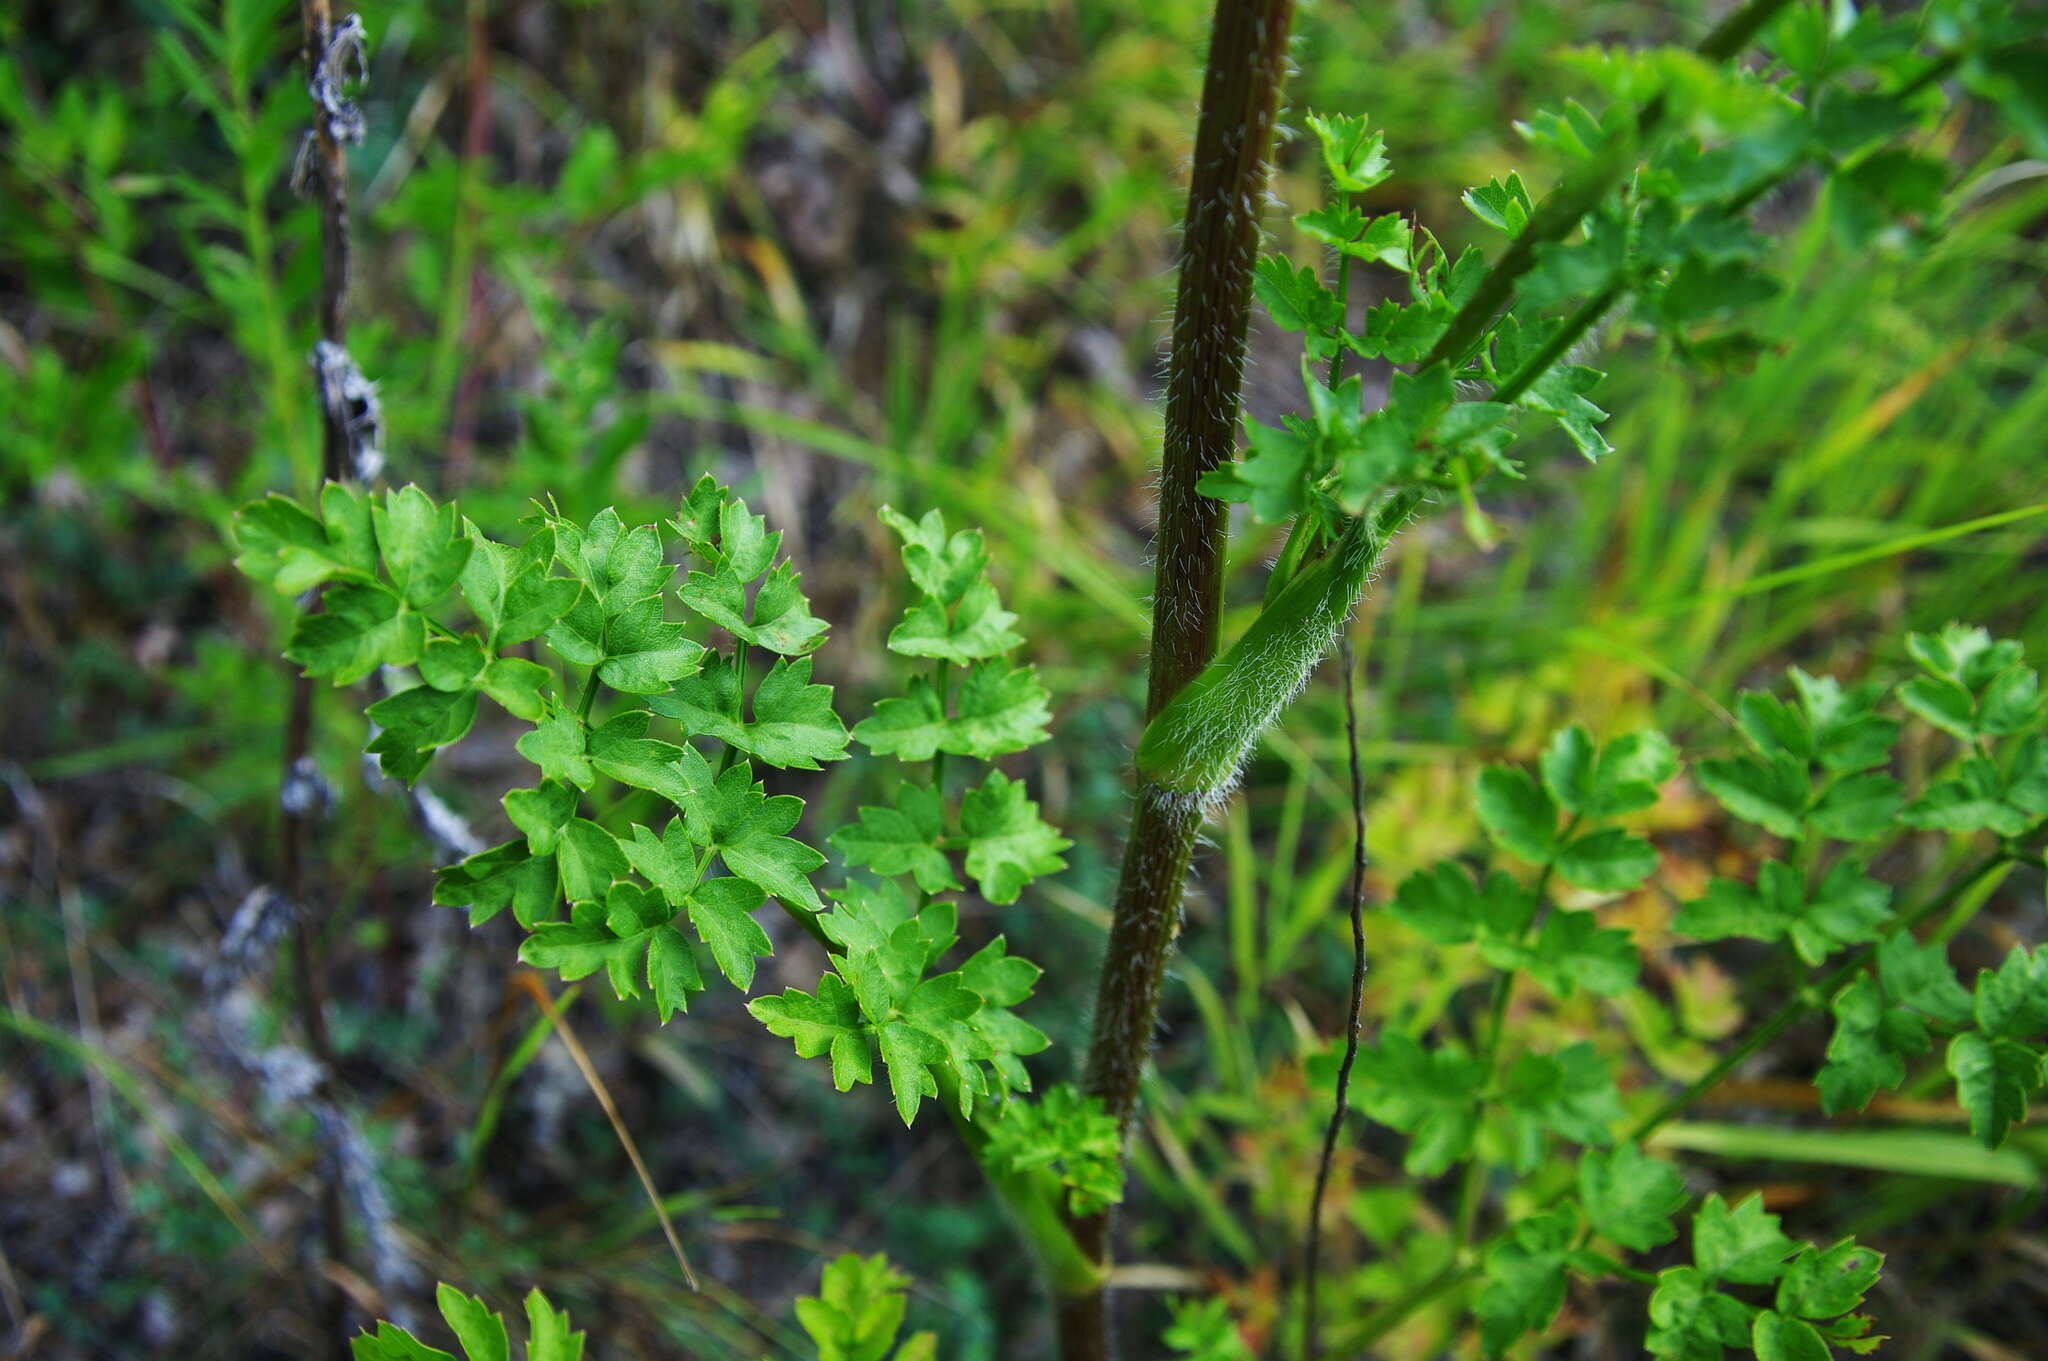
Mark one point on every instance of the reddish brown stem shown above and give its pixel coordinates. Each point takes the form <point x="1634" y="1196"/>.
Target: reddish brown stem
<point x="1240" y="101"/>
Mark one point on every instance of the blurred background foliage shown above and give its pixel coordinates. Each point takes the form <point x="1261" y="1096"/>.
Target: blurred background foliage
<point x="845" y="253"/>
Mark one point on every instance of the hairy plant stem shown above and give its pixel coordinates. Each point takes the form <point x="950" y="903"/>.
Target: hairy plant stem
<point x="1247" y="58"/>
<point x="1247" y="61"/>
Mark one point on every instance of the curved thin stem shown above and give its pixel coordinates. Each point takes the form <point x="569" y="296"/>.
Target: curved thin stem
<point x="1311" y="1341"/>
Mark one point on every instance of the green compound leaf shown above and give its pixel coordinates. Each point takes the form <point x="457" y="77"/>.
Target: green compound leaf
<point x="1570" y="1093"/>
<point x="669" y="861"/>
<point x="1691" y="1321"/>
<point x="504" y="876"/>
<point x="1202" y="1330"/>
<point x="1975" y="687"/>
<point x="633" y="571"/>
<point x="1517" y="814"/>
<point x="792" y="726"/>
<point x="1947" y="705"/>
<point x="1868" y="1050"/>
<point x="578" y="636"/>
<point x="557" y="745"/>
<point x="1356" y="158"/>
<point x="1075" y="1135"/>
<point x="1772" y="794"/>
<point x="2012" y="1001"/>
<point x="1431" y="1095"/>
<point x="1920" y="976"/>
<point x="1444" y="905"/>
<point x="1295" y="298"/>
<point x="1778" y="1338"/>
<point x="541" y="813"/>
<point x="1743" y="1245"/>
<point x="283" y="545"/>
<point x="1003" y="981"/>
<point x="621" y="749"/>
<point x="998" y="709"/>
<point x="360" y="627"/>
<point x="672" y="972"/>
<point x="613" y="935"/>
<point x="1862" y="807"/>
<point x="696" y="523"/>
<point x="958" y="1021"/>
<point x="1622" y="778"/>
<point x="830" y="1021"/>
<point x="2026" y="787"/>
<point x="423" y="545"/>
<point x="722" y="911"/>
<point x="1844" y="730"/>
<point x="1525" y="1279"/>
<point x="779" y="620"/>
<point x="734" y="817"/>
<point x="1008" y="844"/>
<point x="901" y="840"/>
<point x="1979" y="798"/>
<point x="480" y="1332"/>
<point x="415" y="722"/>
<point x="979" y="627"/>
<point x="547" y="1332"/>
<point x="1630" y="1197"/>
<point x="392" y="1343"/>
<point x="1824" y="1283"/>
<point x="941" y="566"/>
<point x="1571" y="951"/>
<point x="858" y="1312"/>
<point x="589" y="858"/>
<point x="643" y="654"/>
<point x="1994" y="1078"/>
<point x="1846" y="909"/>
<point x="1273" y="476"/>
<point x="1560" y="395"/>
<point x="1504" y="206"/>
<point x="621" y="568"/>
<point x="1607" y="861"/>
<point x="509" y="590"/>
<point x="452" y="663"/>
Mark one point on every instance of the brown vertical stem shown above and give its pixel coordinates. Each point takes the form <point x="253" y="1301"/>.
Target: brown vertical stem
<point x="1240" y="100"/>
<point x="476" y="132"/>
<point x="300" y="800"/>
<point x="329" y="183"/>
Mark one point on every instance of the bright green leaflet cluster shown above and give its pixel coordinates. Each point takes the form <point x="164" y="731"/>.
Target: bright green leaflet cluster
<point x="1816" y="781"/>
<point x="1693" y="1317"/>
<point x="1070" y="1133"/>
<point x="855" y="1316"/>
<point x="949" y="1034"/>
<point x="1650" y="222"/>
<point x="479" y="1331"/>
<point x="1202" y="1330"/>
<point x="647" y="844"/>
<point x="1814" y="777"/>
<point x="858" y="1311"/>
<point x="1661" y="220"/>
